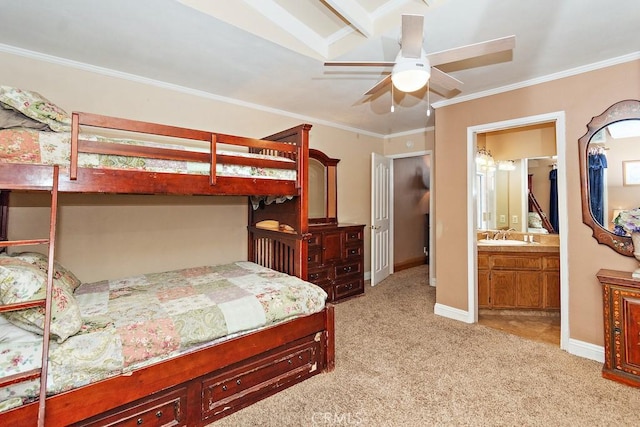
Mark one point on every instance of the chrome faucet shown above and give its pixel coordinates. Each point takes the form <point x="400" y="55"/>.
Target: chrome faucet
<point x="503" y="234"/>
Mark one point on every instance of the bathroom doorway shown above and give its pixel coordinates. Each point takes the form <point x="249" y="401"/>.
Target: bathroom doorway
<point x="475" y="140"/>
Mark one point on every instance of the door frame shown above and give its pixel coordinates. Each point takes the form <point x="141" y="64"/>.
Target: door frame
<point x="472" y="249"/>
<point x="432" y="269"/>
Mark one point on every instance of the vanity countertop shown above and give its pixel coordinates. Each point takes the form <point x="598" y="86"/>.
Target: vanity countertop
<point x="529" y="247"/>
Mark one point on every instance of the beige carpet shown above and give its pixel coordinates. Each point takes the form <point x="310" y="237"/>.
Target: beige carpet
<point x="397" y="364"/>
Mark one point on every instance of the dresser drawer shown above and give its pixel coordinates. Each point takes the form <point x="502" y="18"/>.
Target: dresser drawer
<point x="167" y="409"/>
<point x="353" y="251"/>
<point x="226" y="393"/>
<point x="319" y="275"/>
<point x="353" y="236"/>
<point x="314" y="240"/>
<point x="350" y="287"/>
<point x="314" y="257"/>
<point x="346" y="269"/>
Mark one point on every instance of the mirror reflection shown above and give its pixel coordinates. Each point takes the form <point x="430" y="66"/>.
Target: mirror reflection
<point x="323" y="188"/>
<point x="317" y="189"/>
<point x="613" y="166"/>
<point x="516" y="180"/>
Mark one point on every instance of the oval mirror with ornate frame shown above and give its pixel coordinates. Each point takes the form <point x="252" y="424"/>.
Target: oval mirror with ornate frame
<point x="619" y="112"/>
<point x="323" y="188"/>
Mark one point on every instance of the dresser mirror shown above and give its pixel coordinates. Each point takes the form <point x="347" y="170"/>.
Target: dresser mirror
<point x="323" y="188"/>
<point x="610" y="172"/>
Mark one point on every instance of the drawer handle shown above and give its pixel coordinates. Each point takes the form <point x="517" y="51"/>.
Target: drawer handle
<point x="238" y="382"/>
<point x="308" y="258"/>
<point x="353" y="251"/>
<point x="139" y="421"/>
<point x="289" y="361"/>
<point x="347" y="269"/>
<point x="314" y="276"/>
<point x="224" y="387"/>
<point x="159" y="414"/>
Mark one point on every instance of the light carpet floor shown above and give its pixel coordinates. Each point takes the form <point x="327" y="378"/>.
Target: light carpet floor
<point x="398" y="364"/>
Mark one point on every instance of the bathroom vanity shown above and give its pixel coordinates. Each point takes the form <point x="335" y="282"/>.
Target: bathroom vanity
<point x="519" y="277"/>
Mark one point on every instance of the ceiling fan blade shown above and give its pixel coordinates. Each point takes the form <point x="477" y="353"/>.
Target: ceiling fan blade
<point x="472" y="50"/>
<point x="412" y="34"/>
<point x="359" y="64"/>
<point x="444" y="80"/>
<point x="382" y="83"/>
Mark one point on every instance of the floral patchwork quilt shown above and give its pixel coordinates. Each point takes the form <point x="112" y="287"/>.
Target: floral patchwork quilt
<point x="133" y="322"/>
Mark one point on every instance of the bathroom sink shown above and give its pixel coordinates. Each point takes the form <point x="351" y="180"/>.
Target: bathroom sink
<point x="501" y="242"/>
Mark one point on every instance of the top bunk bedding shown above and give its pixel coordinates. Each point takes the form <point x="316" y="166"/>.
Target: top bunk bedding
<point x="108" y="328"/>
<point x="164" y="160"/>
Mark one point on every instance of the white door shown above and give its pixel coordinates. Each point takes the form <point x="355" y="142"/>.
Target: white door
<point x="380" y="217"/>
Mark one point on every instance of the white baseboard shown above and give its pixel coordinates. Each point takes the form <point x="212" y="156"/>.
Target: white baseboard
<point x="586" y="350"/>
<point x="451" y="313"/>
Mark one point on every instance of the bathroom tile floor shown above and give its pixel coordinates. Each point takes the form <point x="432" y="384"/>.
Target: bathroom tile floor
<point x="544" y="328"/>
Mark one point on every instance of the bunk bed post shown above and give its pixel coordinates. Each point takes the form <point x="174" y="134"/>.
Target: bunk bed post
<point x="294" y="212"/>
<point x="75" y="132"/>
<point x="4" y="216"/>
<point x="212" y="168"/>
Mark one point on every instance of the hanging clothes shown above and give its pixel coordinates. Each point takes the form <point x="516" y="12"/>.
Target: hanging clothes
<point x="553" y="199"/>
<point x="597" y="162"/>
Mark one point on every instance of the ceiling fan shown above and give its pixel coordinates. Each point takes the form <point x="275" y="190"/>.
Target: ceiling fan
<point x="413" y="68"/>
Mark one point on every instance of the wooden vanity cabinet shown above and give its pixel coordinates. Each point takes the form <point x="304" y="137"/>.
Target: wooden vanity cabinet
<point x="519" y="280"/>
<point x="621" y="310"/>
<point x="336" y="259"/>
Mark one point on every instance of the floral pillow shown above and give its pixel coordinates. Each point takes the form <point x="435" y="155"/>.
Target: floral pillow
<point x="60" y="272"/>
<point x="35" y="106"/>
<point x="21" y="281"/>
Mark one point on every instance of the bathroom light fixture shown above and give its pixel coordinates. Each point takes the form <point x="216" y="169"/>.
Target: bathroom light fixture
<point x="410" y="74"/>
<point x="484" y="159"/>
<point x="506" y="165"/>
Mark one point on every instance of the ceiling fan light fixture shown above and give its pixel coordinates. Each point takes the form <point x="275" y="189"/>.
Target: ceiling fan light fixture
<point x="410" y="74"/>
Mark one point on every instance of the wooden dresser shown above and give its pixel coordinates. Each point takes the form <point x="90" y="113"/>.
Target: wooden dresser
<point x="621" y="304"/>
<point x="336" y="259"/>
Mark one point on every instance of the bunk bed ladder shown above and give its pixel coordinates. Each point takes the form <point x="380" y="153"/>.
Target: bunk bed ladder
<point x="533" y="203"/>
<point x="46" y="303"/>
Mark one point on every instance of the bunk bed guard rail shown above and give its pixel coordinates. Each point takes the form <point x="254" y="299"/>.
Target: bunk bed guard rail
<point x="282" y="149"/>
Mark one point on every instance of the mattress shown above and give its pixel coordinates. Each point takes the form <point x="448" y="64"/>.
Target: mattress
<point x="136" y="321"/>
<point x="21" y="145"/>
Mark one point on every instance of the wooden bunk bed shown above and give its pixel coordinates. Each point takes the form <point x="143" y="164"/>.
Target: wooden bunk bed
<point x="212" y="381"/>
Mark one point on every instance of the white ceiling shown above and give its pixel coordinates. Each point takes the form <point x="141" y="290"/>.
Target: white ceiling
<point x="270" y="53"/>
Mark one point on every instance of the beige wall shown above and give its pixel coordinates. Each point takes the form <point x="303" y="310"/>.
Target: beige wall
<point x="104" y="236"/>
<point x="580" y="97"/>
